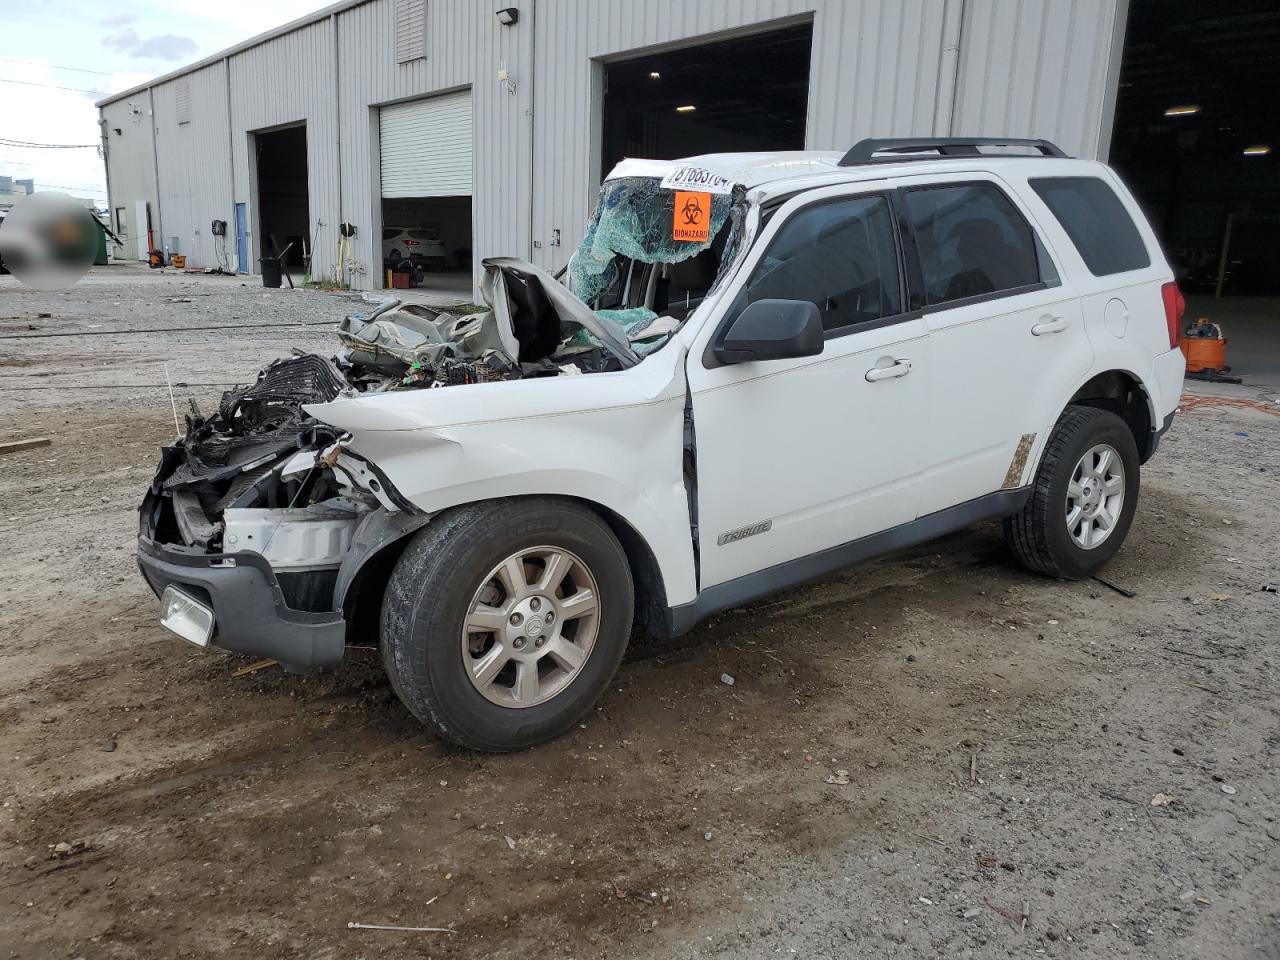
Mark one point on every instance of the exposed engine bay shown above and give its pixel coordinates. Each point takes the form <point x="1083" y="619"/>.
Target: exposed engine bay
<point x="259" y="474"/>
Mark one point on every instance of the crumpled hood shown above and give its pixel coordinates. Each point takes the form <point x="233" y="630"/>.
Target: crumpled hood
<point x="504" y="400"/>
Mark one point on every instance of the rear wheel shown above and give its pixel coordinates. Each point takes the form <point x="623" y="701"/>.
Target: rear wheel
<point x="504" y="621"/>
<point x="1083" y="497"/>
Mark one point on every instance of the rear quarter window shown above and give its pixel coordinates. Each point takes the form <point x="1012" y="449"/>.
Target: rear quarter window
<point x="1096" y="221"/>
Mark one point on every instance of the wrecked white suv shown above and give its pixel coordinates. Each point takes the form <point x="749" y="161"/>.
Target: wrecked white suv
<point x="757" y="369"/>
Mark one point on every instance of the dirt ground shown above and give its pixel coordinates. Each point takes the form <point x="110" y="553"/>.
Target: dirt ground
<point x="1033" y="767"/>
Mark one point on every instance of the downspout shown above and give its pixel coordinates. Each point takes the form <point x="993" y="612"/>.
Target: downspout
<point x="231" y="160"/>
<point x="337" y="133"/>
<point x="944" y="107"/>
<point x="530" y="71"/>
<point x="155" y="169"/>
<point x="104" y="133"/>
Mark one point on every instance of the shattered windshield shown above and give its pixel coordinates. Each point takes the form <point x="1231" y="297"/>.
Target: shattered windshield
<point x="651" y="254"/>
<point x="637" y="219"/>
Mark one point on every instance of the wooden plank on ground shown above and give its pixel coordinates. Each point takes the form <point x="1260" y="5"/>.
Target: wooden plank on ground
<point x="13" y="446"/>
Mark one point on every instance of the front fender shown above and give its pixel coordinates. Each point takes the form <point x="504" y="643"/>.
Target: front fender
<point x="611" y="439"/>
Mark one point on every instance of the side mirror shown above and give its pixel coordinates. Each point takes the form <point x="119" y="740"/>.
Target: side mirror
<point x="772" y="330"/>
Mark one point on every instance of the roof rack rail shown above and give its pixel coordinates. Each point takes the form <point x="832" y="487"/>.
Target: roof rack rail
<point x="864" y="151"/>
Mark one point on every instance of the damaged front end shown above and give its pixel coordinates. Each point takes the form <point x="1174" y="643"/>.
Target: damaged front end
<point x="252" y="514"/>
<point x="262" y="525"/>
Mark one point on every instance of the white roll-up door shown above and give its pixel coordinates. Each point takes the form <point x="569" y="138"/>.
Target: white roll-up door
<point x="426" y="147"/>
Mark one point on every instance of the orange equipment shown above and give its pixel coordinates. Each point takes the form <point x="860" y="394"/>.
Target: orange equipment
<point x="1205" y="348"/>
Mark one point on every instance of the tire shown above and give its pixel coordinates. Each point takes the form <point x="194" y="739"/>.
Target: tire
<point x="460" y="569"/>
<point x="1039" y="534"/>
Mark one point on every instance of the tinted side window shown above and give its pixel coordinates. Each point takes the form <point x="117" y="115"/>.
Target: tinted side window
<point x="972" y="241"/>
<point x="840" y="255"/>
<point x="1096" y="221"/>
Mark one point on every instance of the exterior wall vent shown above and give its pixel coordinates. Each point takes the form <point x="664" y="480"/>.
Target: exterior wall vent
<point x="411" y="30"/>
<point x="182" y="100"/>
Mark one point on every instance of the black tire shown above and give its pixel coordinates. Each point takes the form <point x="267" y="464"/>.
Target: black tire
<point x="430" y="592"/>
<point x="1038" y="534"/>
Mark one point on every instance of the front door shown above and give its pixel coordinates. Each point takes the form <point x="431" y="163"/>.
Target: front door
<point x="799" y="455"/>
<point x="242" y="238"/>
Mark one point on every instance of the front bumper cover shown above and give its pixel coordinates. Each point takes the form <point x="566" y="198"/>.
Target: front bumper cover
<point x="250" y="610"/>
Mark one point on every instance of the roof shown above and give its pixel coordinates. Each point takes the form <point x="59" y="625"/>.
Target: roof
<point x="748" y="169"/>
<point x="292" y="25"/>
<point x="814" y="168"/>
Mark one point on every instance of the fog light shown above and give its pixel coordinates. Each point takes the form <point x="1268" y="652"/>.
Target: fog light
<point x="187" y="617"/>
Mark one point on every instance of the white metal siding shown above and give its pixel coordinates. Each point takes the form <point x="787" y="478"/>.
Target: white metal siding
<point x="290" y="79"/>
<point x="195" y="165"/>
<point x="130" y="166"/>
<point x="425" y="147"/>
<point x="1037" y="68"/>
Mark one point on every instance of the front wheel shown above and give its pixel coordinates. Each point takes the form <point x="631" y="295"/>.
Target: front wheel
<point x="1083" y="497"/>
<point x="504" y="621"/>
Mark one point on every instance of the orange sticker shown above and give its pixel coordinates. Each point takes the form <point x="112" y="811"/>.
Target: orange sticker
<point x="692" y="219"/>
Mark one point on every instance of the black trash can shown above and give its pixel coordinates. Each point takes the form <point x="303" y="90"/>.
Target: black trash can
<point x="270" y="271"/>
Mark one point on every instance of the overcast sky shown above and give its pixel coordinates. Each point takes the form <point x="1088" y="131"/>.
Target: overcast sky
<point x="59" y="56"/>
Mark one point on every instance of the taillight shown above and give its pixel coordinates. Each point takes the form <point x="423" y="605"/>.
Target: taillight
<point x="1174" y="305"/>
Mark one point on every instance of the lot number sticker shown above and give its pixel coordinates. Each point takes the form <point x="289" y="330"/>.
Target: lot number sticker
<point x="692" y="218"/>
<point x="696" y="178"/>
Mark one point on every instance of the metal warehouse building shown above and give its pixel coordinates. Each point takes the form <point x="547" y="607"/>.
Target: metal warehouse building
<point x="478" y="132"/>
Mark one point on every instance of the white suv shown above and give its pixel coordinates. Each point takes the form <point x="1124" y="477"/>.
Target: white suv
<point x="756" y="370"/>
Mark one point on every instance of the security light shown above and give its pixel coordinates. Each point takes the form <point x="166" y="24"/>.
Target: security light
<point x="654" y="75"/>
<point x="687" y="108"/>
<point x="508" y="16"/>
<point x="1183" y="111"/>
<point x="1260" y="150"/>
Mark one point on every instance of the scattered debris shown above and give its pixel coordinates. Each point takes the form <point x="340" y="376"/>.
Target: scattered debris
<point x="1228" y="790"/>
<point x="972" y="912"/>
<point x="179" y="300"/>
<point x="510" y="843"/>
<point x="727" y="679"/>
<point x="1115" y="796"/>
<point x="255" y="667"/>
<point x="1017" y="920"/>
<point x="840" y="778"/>
<point x="352" y="925"/>
<point x="973" y="768"/>
<point x="1270" y="588"/>
<point x="1116" y="587"/>
<point x="108" y="745"/>
<point x="987" y="861"/>
<point x="64" y="850"/>
<point x="13" y="446"/>
<point x="924" y="836"/>
<point x="707" y="835"/>
<point x="926" y="901"/>
<point x="1161" y="800"/>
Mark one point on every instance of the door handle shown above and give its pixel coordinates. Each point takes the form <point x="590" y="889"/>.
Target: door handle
<point x="1049" y="324"/>
<point x="899" y="368"/>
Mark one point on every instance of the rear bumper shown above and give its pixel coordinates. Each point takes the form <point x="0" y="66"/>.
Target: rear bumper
<point x="250" y="610"/>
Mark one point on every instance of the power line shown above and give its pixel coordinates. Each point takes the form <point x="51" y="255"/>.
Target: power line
<point x="5" y="142"/>
<point x="51" y="86"/>
<point x="56" y="66"/>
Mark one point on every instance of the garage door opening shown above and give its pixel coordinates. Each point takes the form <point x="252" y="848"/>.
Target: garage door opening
<point x="1197" y="138"/>
<point x="748" y="93"/>
<point x="425" y="159"/>
<point x="283" y="204"/>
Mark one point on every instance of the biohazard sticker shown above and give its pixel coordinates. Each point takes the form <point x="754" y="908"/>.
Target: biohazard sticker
<point x="692" y="219"/>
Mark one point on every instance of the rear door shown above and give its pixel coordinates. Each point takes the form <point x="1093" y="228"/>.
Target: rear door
<point x="1005" y="328"/>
